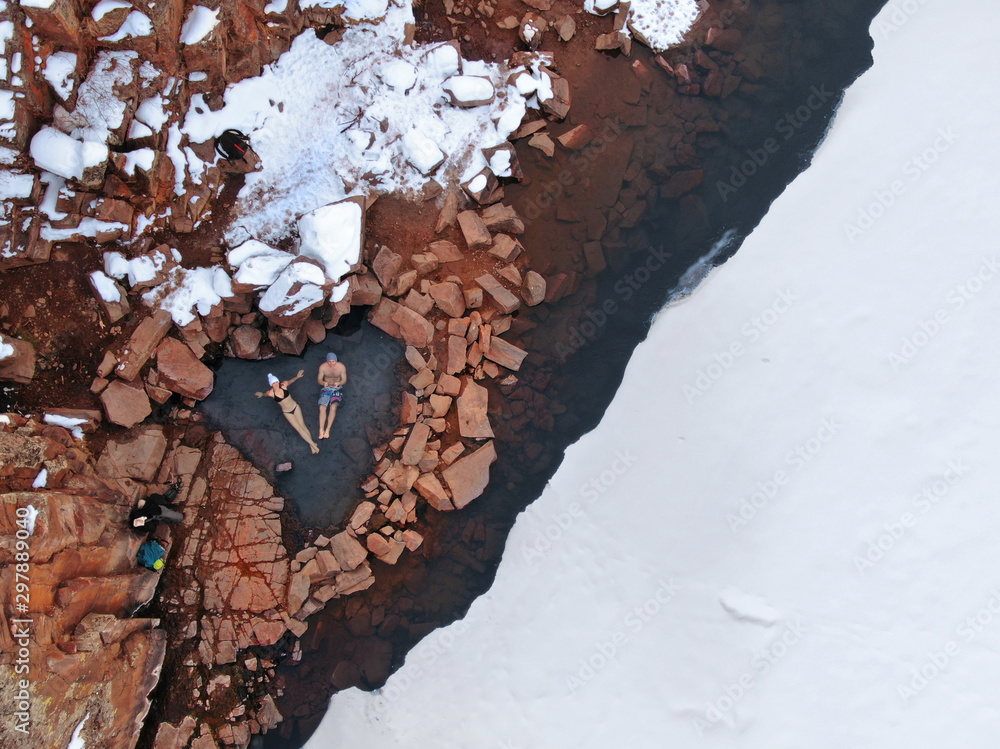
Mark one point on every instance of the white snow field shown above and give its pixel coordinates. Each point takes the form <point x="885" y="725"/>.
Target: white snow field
<point x="798" y="548"/>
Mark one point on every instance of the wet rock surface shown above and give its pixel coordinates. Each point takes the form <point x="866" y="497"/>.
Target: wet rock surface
<point x="323" y="487"/>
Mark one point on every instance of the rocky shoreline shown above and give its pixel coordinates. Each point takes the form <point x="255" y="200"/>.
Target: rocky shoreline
<point x="490" y="284"/>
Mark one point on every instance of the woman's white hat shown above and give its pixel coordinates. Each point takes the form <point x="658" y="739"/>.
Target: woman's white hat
<point x="271" y="379"/>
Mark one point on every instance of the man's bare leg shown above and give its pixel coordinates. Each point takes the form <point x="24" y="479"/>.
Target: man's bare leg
<point x="323" y="433"/>
<point x="327" y="420"/>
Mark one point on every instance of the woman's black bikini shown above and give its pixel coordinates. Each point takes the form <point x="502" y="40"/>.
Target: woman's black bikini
<point x="284" y="398"/>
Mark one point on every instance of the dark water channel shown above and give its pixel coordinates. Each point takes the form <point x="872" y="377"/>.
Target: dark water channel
<point x="809" y="51"/>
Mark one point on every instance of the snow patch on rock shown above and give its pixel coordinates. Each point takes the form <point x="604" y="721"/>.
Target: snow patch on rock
<point x="135" y="24"/>
<point x="190" y="290"/>
<point x="329" y="121"/>
<point x="199" y="24"/>
<point x="59" y="70"/>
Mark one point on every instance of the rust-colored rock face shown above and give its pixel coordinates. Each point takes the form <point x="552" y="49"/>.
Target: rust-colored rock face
<point x="70" y="653"/>
<point x="181" y="371"/>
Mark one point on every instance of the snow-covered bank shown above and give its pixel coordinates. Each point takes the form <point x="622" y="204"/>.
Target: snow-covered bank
<point x="782" y="533"/>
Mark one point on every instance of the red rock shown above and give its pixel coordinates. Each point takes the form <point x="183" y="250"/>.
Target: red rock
<point x="439" y="405"/>
<point x="714" y="83"/>
<point x="488" y="186"/>
<point x="395" y="513"/>
<point x="402" y="283"/>
<point x="246" y="342"/>
<point x="382" y="317"/>
<point x="502" y="218"/>
<point x="298" y="591"/>
<point x="565" y="26"/>
<point x="125" y="403"/>
<point x="354" y="581"/>
<point x="474" y="355"/>
<point x="510" y="273"/>
<point x="448" y="296"/>
<point x="142" y="343"/>
<point x="473" y="298"/>
<point x="394" y="549"/>
<point x="410" y="409"/>
<point x="458" y="326"/>
<point x="556" y="287"/>
<point x="447" y="216"/>
<point x="473" y="407"/>
<point x="365" y="289"/>
<point x="467" y="477"/>
<point x="543" y="143"/>
<point x="400" y="477"/>
<point x="175" y="737"/>
<point x="425" y="263"/>
<point x="532" y="28"/>
<point x="59" y="22"/>
<point x="506" y="301"/>
<point x="477" y="236"/>
<point x="413" y="450"/>
<point x="448" y="456"/>
<point x="576" y="138"/>
<point x="114" y="309"/>
<point x="444" y="251"/>
<point x="415" y="359"/>
<point x="20" y="365"/>
<point x="422" y="304"/>
<point x="422" y="379"/>
<point x="181" y="372"/>
<point x="347" y="550"/>
<point x="506" y="354"/>
<point x="448" y="385"/>
<point x="506" y="248"/>
<point x="560" y="102"/>
<point x="430" y="489"/>
<point x="268" y="716"/>
<point x="377" y="544"/>
<point x="456" y="355"/>
<point x="361" y="514"/>
<point x="413" y="328"/>
<point x="386" y="265"/>
<point x="137" y="455"/>
<point x="533" y="290"/>
<point x="315" y="330"/>
<point x="412" y="539"/>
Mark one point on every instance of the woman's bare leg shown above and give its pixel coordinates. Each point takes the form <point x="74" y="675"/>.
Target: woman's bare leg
<point x="295" y="419"/>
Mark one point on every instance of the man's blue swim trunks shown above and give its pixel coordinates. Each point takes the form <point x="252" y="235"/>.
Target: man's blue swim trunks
<point x="330" y="395"/>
